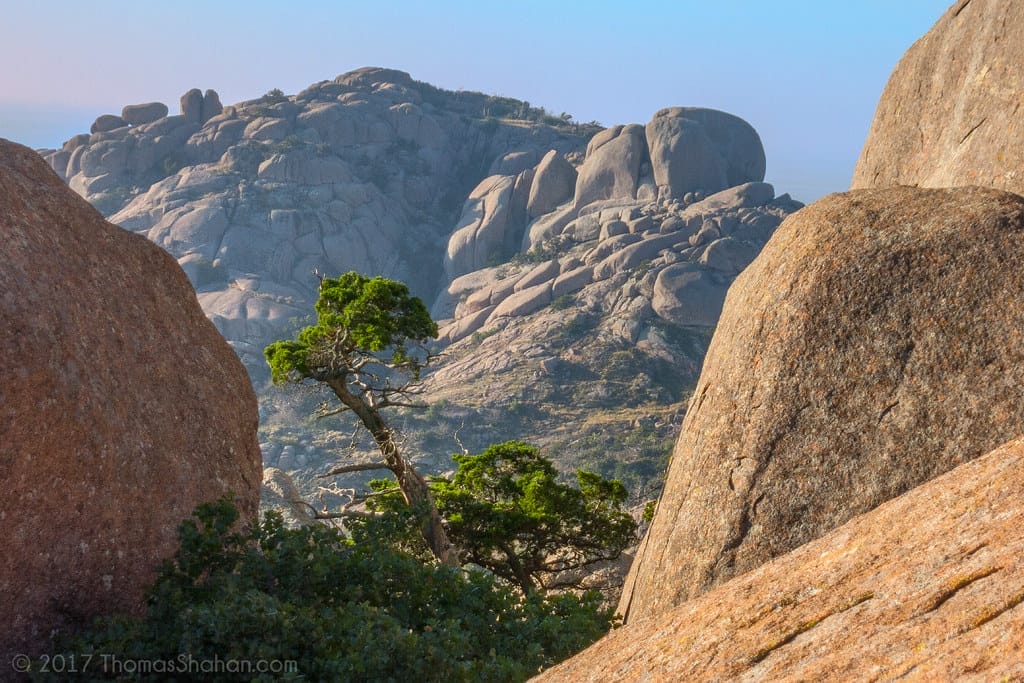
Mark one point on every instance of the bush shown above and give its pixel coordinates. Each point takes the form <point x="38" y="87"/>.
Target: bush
<point x="336" y="610"/>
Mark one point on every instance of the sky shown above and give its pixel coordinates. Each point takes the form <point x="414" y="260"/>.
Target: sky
<point x="806" y="74"/>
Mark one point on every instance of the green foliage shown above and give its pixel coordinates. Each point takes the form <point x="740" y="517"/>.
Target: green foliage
<point x="478" y="336"/>
<point x="649" y="509"/>
<point x="274" y="96"/>
<point x="506" y="508"/>
<point x="545" y="251"/>
<point x="356" y="316"/>
<point x="333" y="609"/>
<point x="509" y="513"/>
<point x="563" y="302"/>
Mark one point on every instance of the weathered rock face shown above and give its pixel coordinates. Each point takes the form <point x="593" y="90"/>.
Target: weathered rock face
<point x="121" y="409"/>
<point x="192" y="105"/>
<point x="951" y="112"/>
<point x="106" y="123"/>
<point x="874" y="344"/>
<point x="611" y="169"/>
<point x="702" y="149"/>
<point x="137" y="114"/>
<point x="365" y="172"/>
<point x="926" y="587"/>
<point x="553" y="183"/>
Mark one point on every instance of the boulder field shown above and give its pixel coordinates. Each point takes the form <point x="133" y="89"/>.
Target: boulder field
<point x="121" y="409"/>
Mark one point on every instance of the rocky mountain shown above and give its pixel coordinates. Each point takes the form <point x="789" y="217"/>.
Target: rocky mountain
<point x="121" y="410"/>
<point x="926" y="587"/>
<point x="869" y="348"/>
<point x="951" y="112"/>
<point x="577" y="271"/>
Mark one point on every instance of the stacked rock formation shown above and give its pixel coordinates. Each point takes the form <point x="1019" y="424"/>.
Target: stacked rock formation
<point x="121" y="410"/>
<point x="690" y="254"/>
<point x="870" y="347"/>
<point x="682" y="154"/>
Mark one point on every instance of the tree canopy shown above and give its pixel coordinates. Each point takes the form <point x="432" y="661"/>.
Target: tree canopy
<point x="360" y="322"/>
<point x="358" y="317"/>
<point x="507" y="511"/>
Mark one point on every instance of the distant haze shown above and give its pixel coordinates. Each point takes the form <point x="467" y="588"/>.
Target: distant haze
<point x="806" y="74"/>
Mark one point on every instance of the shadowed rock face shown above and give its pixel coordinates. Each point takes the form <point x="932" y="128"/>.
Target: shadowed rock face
<point x="876" y="342"/>
<point x="121" y="409"/>
<point x="929" y="587"/>
<point x="951" y="114"/>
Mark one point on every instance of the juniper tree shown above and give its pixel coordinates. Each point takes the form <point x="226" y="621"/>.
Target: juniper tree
<point x="368" y="347"/>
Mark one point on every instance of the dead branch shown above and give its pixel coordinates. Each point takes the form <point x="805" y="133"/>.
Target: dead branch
<point x="359" y="467"/>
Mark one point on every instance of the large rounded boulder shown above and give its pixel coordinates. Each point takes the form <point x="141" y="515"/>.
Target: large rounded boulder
<point x="876" y="342"/>
<point x="951" y="114"/>
<point x="694" y="149"/>
<point x="121" y="409"/>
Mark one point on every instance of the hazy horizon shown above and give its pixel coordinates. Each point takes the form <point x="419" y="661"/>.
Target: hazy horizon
<point x="805" y="75"/>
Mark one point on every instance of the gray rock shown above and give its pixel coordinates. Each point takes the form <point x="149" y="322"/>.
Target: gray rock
<point x="192" y="106"/>
<point x="547" y="226"/>
<point x="612" y="229"/>
<point x="480" y="235"/>
<point x="514" y="163"/>
<point x="572" y="281"/>
<point x="702" y="149"/>
<point x="107" y="122"/>
<point x="640" y="224"/>
<point x="210" y="107"/>
<point x="728" y="255"/>
<point x="75" y="141"/>
<point x="708" y="233"/>
<point x="138" y="114"/>
<point x="740" y="196"/>
<point x="465" y="326"/>
<point x="523" y="302"/>
<point x="553" y="183"/>
<point x="685" y="294"/>
<point x="542" y="273"/>
<point x="632" y="255"/>
<point x="612" y="165"/>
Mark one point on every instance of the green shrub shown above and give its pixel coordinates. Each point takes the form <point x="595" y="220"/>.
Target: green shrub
<point x="333" y="609"/>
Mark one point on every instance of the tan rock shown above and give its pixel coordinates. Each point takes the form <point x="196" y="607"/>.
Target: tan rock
<point x="876" y="342"/>
<point x="121" y="409"/>
<point x="523" y="302"/>
<point x="927" y="587"/>
<point x="612" y="166"/>
<point x="540" y="273"/>
<point x="553" y="183"/>
<point x="951" y="112"/>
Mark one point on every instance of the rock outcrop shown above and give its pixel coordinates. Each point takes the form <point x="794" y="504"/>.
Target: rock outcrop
<point x="927" y="587"/>
<point x="951" y="114"/>
<point x="121" y="409"/>
<point x="612" y="166"/>
<point x="694" y="149"/>
<point x="137" y="114"/>
<point x="365" y="172"/>
<point x="873" y="344"/>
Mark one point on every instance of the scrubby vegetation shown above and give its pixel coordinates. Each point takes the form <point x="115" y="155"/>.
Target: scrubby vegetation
<point x="325" y="607"/>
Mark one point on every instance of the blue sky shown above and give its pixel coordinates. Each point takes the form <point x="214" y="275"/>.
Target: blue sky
<point x="806" y="74"/>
